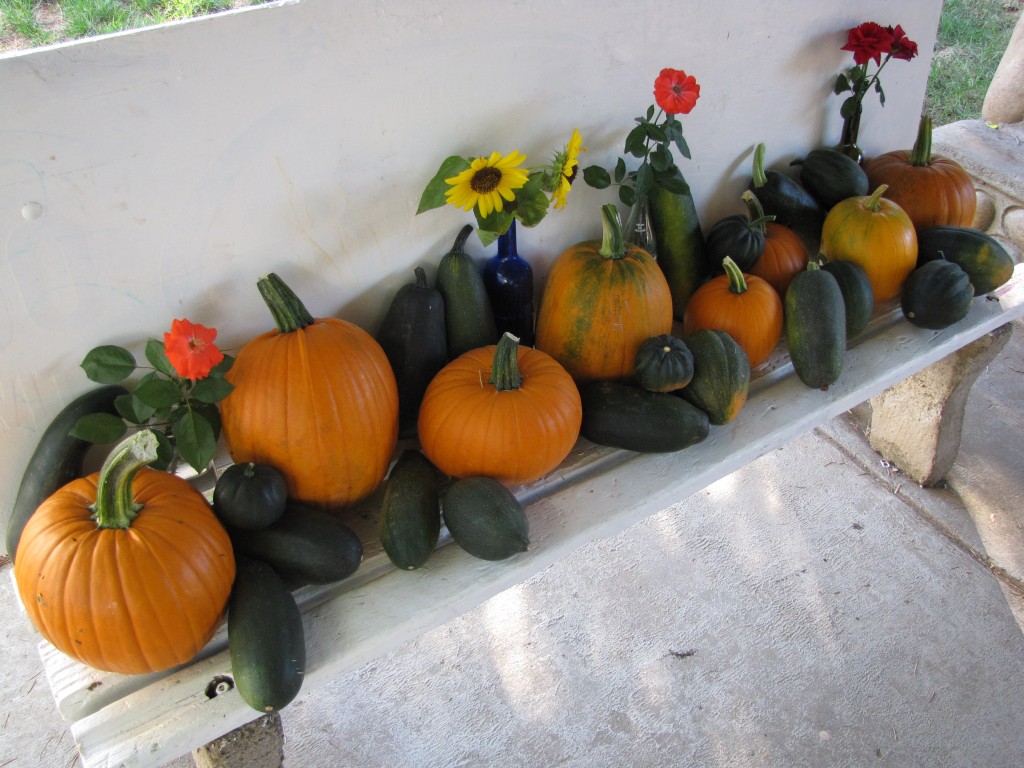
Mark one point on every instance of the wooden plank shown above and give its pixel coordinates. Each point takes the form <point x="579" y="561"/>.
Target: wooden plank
<point x="598" y="492"/>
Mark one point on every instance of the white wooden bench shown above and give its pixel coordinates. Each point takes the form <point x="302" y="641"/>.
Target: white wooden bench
<point x="597" y="492"/>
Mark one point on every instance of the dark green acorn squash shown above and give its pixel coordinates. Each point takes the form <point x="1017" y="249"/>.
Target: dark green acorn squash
<point x="984" y="259"/>
<point x="830" y="176"/>
<point x="663" y="363"/>
<point x="936" y="295"/>
<point x="250" y="495"/>
<point x="858" y="295"/>
<point x="786" y="199"/>
<point x="815" y="326"/>
<point x="721" y="375"/>
<point x="741" y="237"/>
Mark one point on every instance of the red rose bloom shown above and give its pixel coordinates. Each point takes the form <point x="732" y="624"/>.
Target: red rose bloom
<point x="190" y="349"/>
<point x="869" y="41"/>
<point x="676" y="92"/>
<point x="902" y="46"/>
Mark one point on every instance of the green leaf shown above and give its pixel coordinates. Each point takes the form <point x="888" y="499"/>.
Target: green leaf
<point x="644" y="179"/>
<point x="99" y="428"/>
<point x="531" y="202"/>
<point x="627" y="195"/>
<point x="636" y="141"/>
<point x="650" y="113"/>
<point x="661" y="159"/>
<point x="108" y="364"/>
<point x="433" y="195"/>
<point x="212" y="389"/>
<point x="223" y="366"/>
<point x="164" y="451"/>
<point x="620" y="171"/>
<point x="674" y="184"/>
<point x="132" y="409"/>
<point x="157" y="356"/>
<point x="158" y="393"/>
<point x="848" y="108"/>
<point x="596" y="177"/>
<point x="682" y="146"/>
<point x="194" y="437"/>
<point x="842" y="84"/>
<point x="656" y="133"/>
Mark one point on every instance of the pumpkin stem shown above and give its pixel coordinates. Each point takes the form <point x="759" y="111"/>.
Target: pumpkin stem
<point x="812" y="265"/>
<point x="505" y="368"/>
<point x="874" y="203"/>
<point x="737" y="283"/>
<point x="758" y="174"/>
<point x="612" y="244"/>
<point x="921" y="155"/>
<point x="289" y="313"/>
<point x="115" y="506"/>
<point x="756" y="211"/>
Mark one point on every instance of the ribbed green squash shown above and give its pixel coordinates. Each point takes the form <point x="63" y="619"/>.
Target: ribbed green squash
<point x="984" y="259"/>
<point x="663" y="363"/>
<point x="815" y="327"/>
<point x="410" y="518"/>
<point x="936" y="295"/>
<point x="831" y="176"/>
<point x="858" y="295"/>
<point x="250" y="495"/>
<point x="721" y="375"/>
<point x="635" y="419"/>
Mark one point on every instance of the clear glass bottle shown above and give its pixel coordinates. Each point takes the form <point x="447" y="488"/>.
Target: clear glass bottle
<point x="638" y="230"/>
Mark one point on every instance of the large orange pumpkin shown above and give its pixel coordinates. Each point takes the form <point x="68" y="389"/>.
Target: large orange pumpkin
<point x="934" y="191"/>
<point x="317" y="399"/>
<point x="744" y="306"/>
<point x="140" y="587"/>
<point x="503" y="411"/>
<point x="875" y="233"/>
<point x="601" y="300"/>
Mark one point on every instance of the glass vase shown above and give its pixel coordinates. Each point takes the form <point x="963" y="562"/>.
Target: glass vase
<point x="508" y="278"/>
<point x="848" y="140"/>
<point x="638" y="230"/>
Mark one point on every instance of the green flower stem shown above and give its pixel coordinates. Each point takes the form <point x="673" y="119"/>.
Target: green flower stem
<point x="612" y="244"/>
<point x="737" y="283"/>
<point x="115" y="505"/>
<point x="505" y="368"/>
<point x="288" y="311"/>
<point x="921" y="154"/>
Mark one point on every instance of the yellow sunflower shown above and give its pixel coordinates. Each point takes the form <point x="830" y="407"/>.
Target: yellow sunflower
<point x="568" y="165"/>
<point x="487" y="183"/>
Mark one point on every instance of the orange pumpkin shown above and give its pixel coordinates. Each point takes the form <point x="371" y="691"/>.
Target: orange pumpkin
<point x="744" y="306"/>
<point x="876" y="234"/>
<point x="503" y="411"/>
<point x="934" y="191"/>
<point x="317" y="399"/>
<point x="601" y="300"/>
<point x="140" y="587"/>
<point x="784" y="254"/>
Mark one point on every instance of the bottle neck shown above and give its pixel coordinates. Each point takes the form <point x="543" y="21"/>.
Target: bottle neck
<point x="507" y="242"/>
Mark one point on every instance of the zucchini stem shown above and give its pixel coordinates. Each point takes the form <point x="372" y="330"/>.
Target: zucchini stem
<point x="115" y="505"/>
<point x="505" y="368"/>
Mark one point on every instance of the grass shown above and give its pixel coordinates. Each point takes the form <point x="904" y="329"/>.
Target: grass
<point x="972" y="36"/>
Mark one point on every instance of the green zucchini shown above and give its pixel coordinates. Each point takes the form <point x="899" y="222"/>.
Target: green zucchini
<point x="830" y="176"/>
<point x="305" y="545"/>
<point x="410" y="518"/>
<point x="786" y="199"/>
<point x="266" y="639"/>
<point x="815" y="320"/>
<point x="623" y="416"/>
<point x="987" y="263"/>
<point x="858" y="295"/>
<point x="936" y="295"/>
<point x="58" y="457"/>
<point x="485" y="518"/>
<point x="468" y="316"/>
<point x="680" y="242"/>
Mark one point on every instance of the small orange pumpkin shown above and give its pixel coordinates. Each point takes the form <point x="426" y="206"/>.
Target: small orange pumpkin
<point x="127" y="570"/>
<point x="934" y="191"/>
<point x="744" y="306"/>
<point x="784" y="254"/>
<point x="877" y="234"/>
<point x="503" y="411"/>
<point x="602" y="300"/>
<point x="317" y="399"/>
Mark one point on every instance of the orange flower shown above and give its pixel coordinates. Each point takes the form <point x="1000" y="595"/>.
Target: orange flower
<point x="190" y="349"/>
<point x="676" y="92"/>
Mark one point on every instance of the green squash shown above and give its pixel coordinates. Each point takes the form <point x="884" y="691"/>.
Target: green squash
<point x="830" y="176"/>
<point x="787" y="199"/>
<point x="858" y="295"/>
<point x="485" y="518"/>
<point x="936" y="295"/>
<point x="815" y="321"/>
<point x="468" y="316"/>
<point x="721" y="375"/>
<point x="663" y="363"/>
<point x="250" y="495"/>
<point x="740" y="237"/>
<point x="984" y="259"/>
<point x="410" y="518"/>
<point x="635" y="419"/>
<point x="681" y="246"/>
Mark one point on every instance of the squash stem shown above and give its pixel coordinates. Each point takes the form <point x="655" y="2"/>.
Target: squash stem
<point x="459" y="246"/>
<point x="758" y="219"/>
<point x="921" y="155"/>
<point x="612" y="244"/>
<point x="288" y="311"/>
<point x="421" y="278"/>
<point x="874" y="202"/>
<point x="505" y="368"/>
<point x="758" y="174"/>
<point x="737" y="283"/>
<point x="115" y="505"/>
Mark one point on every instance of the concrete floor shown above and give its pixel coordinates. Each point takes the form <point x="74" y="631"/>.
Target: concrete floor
<point x="814" y="609"/>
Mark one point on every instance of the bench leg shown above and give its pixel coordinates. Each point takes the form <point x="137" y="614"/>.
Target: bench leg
<point x="259" y="744"/>
<point x="916" y="424"/>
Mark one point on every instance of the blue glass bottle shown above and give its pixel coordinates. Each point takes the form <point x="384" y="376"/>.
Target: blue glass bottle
<point x="509" y="281"/>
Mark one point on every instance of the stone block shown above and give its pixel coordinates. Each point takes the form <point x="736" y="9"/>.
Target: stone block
<point x="259" y="744"/>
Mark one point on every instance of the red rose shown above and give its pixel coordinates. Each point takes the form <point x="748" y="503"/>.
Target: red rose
<point x="676" y="92"/>
<point x="190" y="349"/>
<point x="869" y="41"/>
<point x="902" y="47"/>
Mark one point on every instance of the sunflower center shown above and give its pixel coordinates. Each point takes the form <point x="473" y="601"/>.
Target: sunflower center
<point x="485" y="180"/>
